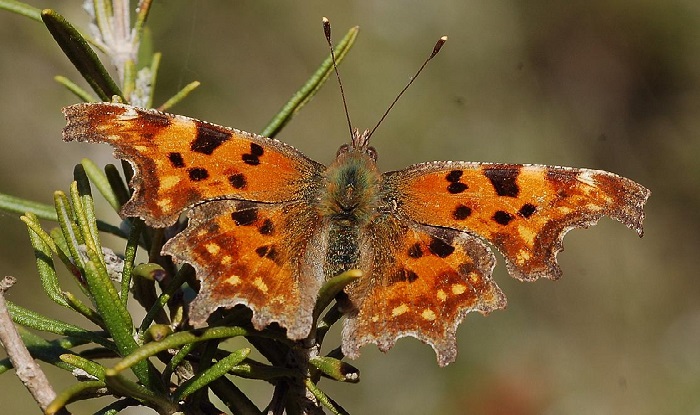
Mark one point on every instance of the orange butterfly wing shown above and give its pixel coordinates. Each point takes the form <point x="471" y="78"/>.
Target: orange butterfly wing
<point x="523" y="210"/>
<point x="253" y="254"/>
<point x="421" y="282"/>
<point x="181" y="161"/>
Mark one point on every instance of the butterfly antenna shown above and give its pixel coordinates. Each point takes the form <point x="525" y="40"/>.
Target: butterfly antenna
<point x="327" y="32"/>
<point x="435" y="51"/>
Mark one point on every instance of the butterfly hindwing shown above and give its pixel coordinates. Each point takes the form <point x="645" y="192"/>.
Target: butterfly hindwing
<point x="253" y="254"/>
<point x="180" y="161"/>
<point x="422" y="282"/>
<point x="523" y="210"/>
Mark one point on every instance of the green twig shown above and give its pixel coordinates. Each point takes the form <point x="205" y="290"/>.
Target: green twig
<point x="75" y="89"/>
<point x="179" y="96"/>
<point x="21" y="8"/>
<point x="217" y="370"/>
<point x="312" y="86"/>
<point x="176" y="340"/>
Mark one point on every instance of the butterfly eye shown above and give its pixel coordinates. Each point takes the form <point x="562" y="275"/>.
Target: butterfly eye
<point x="372" y="153"/>
<point x="343" y="149"/>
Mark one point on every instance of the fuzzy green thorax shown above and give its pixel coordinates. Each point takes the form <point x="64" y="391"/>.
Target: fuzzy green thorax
<point x="352" y="184"/>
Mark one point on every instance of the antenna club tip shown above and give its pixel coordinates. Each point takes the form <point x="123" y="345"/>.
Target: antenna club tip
<point x="438" y="46"/>
<point x="327" y="28"/>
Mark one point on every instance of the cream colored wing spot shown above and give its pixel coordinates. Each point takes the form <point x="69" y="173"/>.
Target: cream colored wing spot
<point x="397" y="311"/>
<point x="428" y="314"/>
<point x="458" y="289"/>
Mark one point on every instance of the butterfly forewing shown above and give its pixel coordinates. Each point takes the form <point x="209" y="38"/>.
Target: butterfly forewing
<point x="181" y="161"/>
<point x="523" y="210"/>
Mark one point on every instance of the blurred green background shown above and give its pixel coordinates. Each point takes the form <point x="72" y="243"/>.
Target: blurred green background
<point x="608" y="85"/>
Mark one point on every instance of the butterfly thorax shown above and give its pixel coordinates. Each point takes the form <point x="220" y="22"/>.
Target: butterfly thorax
<point x="351" y="190"/>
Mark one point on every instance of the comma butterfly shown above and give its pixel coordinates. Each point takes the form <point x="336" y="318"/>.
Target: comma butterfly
<point x="267" y="225"/>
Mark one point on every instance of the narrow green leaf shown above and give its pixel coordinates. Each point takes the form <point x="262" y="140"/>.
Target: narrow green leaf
<point x="89" y="366"/>
<point x="45" y="267"/>
<point x="333" y="287"/>
<point x="18" y="205"/>
<point x="35" y="228"/>
<point x="75" y="89"/>
<point x="129" y="81"/>
<point x="336" y="369"/>
<point x="256" y="370"/>
<point x="116" y="318"/>
<point x="70" y="231"/>
<point x="84" y="209"/>
<point x="103" y="12"/>
<point x="217" y="370"/>
<point x="304" y="95"/>
<point x="141" y="16"/>
<point x="21" y="8"/>
<point x="175" y="341"/>
<point x="114" y="230"/>
<point x="132" y="244"/>
<point x="324" y="399"/>
<point x="179" y="96"/>
<point x="101" y="182"/>
<point x="179" y="357"/>
<point x="36" y="321"/>
<point x="82" y="56"/>
<point x="81" y="389"/>
<point x="83" y="309"/>
<point x="155" y="64"/>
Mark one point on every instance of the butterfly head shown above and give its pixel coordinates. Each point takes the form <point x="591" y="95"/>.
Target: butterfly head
<point x="358" y="148"/>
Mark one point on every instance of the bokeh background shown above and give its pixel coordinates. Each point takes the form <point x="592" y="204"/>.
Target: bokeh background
<point x="607" y="84"/>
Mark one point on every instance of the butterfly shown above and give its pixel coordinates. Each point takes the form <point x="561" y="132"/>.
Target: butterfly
<point x="267" y="225"/>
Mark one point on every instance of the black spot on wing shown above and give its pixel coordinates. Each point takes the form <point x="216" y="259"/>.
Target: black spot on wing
<point x="267" y="227"/>
<point x="415" y="251"/>
<point x="256" y="150"/>
<point x="504" y="180"/>
<point x="456" y="188"/>
<point x="440" y="248"/>
<point x="238" y="181"/>
<point x="454" y="176"/>
<point x="253" y="158"/>
<point x="461" y="212"/>
<point x="455" y="185"/>
<point x="527" y="210"/>
<point x="267" y="251"/>
<point x="245" y="217"/>
<point x="176" y="160"/>
<point x="197" y="174"/>
<point x="403" y="275"/>
<point x="502" y="218"/>
<point x="208" y="138"/>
